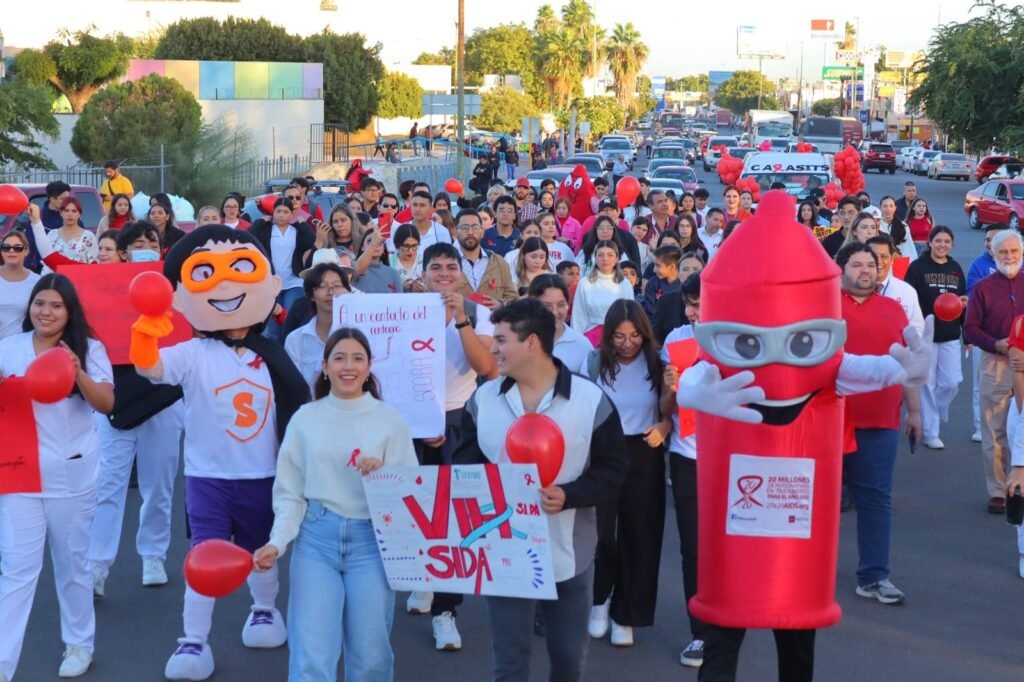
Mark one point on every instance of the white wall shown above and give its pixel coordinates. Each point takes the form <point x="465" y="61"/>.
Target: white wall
<point x="278" y="127"/>
<point x="59" y="150"/>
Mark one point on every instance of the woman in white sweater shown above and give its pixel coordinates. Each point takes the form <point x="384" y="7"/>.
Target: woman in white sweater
<point x="596" y="292"/>
<point x="340" y="598"/>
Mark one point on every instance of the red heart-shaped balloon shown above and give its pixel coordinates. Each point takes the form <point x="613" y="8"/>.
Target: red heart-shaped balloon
<point x="216" y="568"/>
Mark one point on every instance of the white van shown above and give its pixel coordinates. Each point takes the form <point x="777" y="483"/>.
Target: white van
<point x="800" y="173"/>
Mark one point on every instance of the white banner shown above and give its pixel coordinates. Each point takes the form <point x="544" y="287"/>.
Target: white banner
<point x="466" y="529"/>
<point x="770" y="496"/>
<point x="406" y="333"/>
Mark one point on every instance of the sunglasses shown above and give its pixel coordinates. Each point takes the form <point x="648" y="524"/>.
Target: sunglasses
<point x="16" y="248"/>
<point x="293" y="197"/>
<point x="389" y="205"/>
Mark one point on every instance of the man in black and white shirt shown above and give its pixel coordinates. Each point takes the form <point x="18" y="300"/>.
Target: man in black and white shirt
<point x="592" y="472"/>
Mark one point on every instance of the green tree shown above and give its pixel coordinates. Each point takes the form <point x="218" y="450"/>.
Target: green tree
<point x="231" y="40"/>
<point x="26" y="116"/>
<point x="824" y="107"/>
<point x="211" y="162"/>
<point x="503" y="109"/>
<point x="547" y="21"/>
<point x="445" y="55"/>
<point x="740" y="92"/>
<point x="973" y="78"/>
<point x="697" y="83"/>
<point x="144" y="45"/>
<point x="626" y="56"/>
<point x="562" y="58"/>
<point x="503" y="50"/>
<point x="351" y="73"/>
<point x="131" y="120"/>
<point x="399" y="95"/>
<point x="578" y="19"/>
<point x="77" y="65"/>
<point x="604" y="114"/>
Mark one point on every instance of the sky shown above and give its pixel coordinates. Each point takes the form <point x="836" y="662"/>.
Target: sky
<point x="683" y="37"/>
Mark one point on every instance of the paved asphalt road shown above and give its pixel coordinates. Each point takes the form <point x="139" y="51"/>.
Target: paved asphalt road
<point x="957" y="564"/>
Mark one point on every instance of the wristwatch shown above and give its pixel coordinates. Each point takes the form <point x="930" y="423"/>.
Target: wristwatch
<point x="463" y="324"/>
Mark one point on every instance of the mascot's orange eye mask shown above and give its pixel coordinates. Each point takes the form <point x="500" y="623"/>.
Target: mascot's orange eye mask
<point x="204" y="270"/>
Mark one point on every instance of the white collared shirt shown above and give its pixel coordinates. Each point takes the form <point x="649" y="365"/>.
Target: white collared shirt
<point x="474" y="271"/>
<point x="711" y="241"/>
<point x="282" y="249"/>
<point x="306" y="350"/>
<point x="906" y="296"/>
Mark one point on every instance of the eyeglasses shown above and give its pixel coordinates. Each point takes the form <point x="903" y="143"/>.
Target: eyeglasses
<point x="335" y="290"/>
<point x="506" y="209"/>
<point x="409" y="246"/>
<point x="470" y="228"/>
<point x="16" y="248"/>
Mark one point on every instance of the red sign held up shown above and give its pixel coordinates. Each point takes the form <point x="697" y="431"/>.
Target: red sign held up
<point x="681" y="355"/>
<point x="19" y="457"/>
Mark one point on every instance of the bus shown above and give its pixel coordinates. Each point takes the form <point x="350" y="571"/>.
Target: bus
<point x="672" y="119"/>
<point x="832" y="133"/>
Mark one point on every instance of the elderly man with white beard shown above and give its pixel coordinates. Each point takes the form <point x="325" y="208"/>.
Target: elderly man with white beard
<point x="995" y="302"/>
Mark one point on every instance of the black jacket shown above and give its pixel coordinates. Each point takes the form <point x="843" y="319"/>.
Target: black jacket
<point x="668" y="314"/>
<point x="305" y="241"/>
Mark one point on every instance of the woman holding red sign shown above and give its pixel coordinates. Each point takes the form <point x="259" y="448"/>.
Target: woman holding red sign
<point x="61" y="510"/>
<point x="627" y="368"/>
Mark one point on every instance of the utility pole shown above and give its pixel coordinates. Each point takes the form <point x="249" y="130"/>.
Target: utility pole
<point x="800" y="88"/>
<point x="760" y="80"/>
<point x="460" y="68"/>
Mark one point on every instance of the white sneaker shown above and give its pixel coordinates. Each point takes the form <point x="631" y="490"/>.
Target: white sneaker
<point x="599" y="621"/>
<point x="419" y="602"/>
<point x="1020" y="567"/>
<point x="446" y="633"/>
<point x="976" y="437"/>
<point x="933" y="442"/>
<point x="153" y="572"/>
<point x="191" y="661"/>
<point x="76" y="661"/>
<point x="99" y="581"/>
<point x="264" y="629"/>
<point x="693" y="655"/>
<point x="622" y="635"/>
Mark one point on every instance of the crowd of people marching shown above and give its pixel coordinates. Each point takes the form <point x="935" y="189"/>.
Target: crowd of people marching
<point x="562" y="311"/>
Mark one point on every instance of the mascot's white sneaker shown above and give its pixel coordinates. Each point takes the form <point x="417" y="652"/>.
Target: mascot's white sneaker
<point x="264" y="629"/>
<point x="191" y="661"/>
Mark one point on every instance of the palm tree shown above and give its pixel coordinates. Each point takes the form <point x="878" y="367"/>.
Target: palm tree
<point x="562" y="65"/>
<point x="626" y="57"/>
<point x="547" y="21"/>
<point x="578" y="18"/>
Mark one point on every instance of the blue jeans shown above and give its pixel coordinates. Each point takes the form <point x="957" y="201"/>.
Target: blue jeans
<point x="869" y="473"/>
<point x="286" y="298"/>
<point x="339" y="599"/>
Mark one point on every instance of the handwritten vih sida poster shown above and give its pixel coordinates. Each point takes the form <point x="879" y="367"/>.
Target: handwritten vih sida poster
<point x="406" y="333"/>
<point x="475" y="529"/>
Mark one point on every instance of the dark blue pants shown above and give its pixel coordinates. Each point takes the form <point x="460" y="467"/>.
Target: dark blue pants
<point x="869" y="473"/>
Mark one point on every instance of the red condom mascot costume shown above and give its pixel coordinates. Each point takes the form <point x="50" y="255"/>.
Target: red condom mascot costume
<point x="240" y="390"/>
<point x="768" y="389"/>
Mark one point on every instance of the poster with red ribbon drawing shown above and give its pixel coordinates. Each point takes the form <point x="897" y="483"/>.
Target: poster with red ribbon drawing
<point x="406" y="333"/>
<point x="770" y="496"/>
<point x="475" y="529"/>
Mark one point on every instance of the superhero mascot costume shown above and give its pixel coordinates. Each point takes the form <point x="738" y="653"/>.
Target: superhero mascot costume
<point x="768" y="389"/>
<point x="240" y="390"/>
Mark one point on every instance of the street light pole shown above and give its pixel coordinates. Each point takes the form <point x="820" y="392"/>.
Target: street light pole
<point x="460" y="68"/>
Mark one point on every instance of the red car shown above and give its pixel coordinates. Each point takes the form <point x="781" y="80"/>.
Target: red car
<point x="988" y="165"/>
<point x="878" y="155"/>
<point x="996" y="201"/>
<point x="92" y="206"/>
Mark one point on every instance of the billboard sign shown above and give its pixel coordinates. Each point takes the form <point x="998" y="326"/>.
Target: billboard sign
<point x="754" y="43"/>
<point x="835" y="73"/>
<point x="825" y="29"/>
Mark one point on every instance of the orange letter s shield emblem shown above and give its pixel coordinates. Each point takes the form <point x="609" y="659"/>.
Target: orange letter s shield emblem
<point x="243" y="408"/>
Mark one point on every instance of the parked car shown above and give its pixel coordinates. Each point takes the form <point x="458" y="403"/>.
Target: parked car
<point x="949" y="165"/>
<point x="332" y="192"/>
<point x="614" y="147"/>
<point x="989" y="164"/>
<point x="713" y="151"/>
<point x="684" y="174"/>
<point x="655" y="164"/>
<point x="922" y="160"/>
<point x="1008" y="171"/>
<point x="92" y="207"/>
<point x="675" y="152"/>
<point x="880" y="155"/>
<point x="995" y="201"/>
<point x="904" y="153"/>
<point x="556" y="173"/>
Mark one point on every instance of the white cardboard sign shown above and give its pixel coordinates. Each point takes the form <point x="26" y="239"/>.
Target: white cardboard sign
<point x="770" y="496"/>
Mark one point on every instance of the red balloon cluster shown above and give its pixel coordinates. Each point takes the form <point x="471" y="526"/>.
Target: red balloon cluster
<point x="832" y="195"/>
<point x="765" y="146"/>
<point x="216" y="568"/>
<point x="847" y="165"/>
<point x="804" y="148"/>
<point x="12" y="200"/>
<point x="626" y="191"/>
<point x="750" y="185"/>
<point x="729" y="168"/>
<point x="51" y="376"/>
<point x="535" y="438"/>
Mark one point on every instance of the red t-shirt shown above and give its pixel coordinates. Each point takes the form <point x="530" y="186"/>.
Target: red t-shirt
<point x="920" y="228"/>
<point x="871" y="327"/>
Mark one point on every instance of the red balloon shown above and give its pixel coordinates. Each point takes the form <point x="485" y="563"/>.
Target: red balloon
<point x="12" y="200"/>
<point x="453" y="186"/>
<point x="51" y="376"/>
<point x="216" y="568"/>
<point x="536" y="438"/>
<point x="948" y="307"/>
<point x="627" y="191"/>
<point x="266" y="203"/>
<point x="150" y="293"/>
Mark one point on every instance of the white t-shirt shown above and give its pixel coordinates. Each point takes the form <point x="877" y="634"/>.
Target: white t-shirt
<point x="557" y="252"/>
<point x="230" y="417"/>
<point x="460" y="379"/>
<point x="436" y="233"/>
<point x="68" y="447"/>
<point x="687" y="447"/>
<point x="711" y="241"/>
<point x="595" y="297"/>
<point x="282" y="249"/>
<point x="306" y="350"/>
<point x="633" y="395"/>
<point x="14" y="302"/>
<point x="572" y="348"/>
